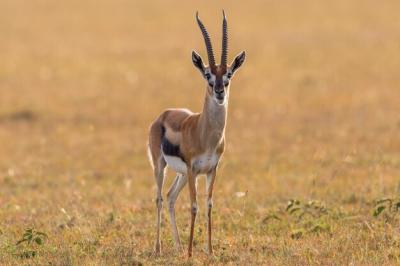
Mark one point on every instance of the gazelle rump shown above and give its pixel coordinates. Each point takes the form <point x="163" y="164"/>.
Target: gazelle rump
<point x="192" y="143"/>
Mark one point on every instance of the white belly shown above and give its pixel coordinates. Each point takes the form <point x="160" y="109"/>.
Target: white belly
<point x="201" y="164"/>
<point x="176" y="164"/>
<point x="205" y="162"/>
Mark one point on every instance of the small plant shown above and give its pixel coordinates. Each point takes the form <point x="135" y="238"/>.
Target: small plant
<point x="271" y="216"/>
<point x="313" y="226"/>
<point x="312" y="208"/>
<point x="310" y="217"/>
<point x="387" y="207"/>
<point x="297" y="233"/>
<point x="30" y="239"/>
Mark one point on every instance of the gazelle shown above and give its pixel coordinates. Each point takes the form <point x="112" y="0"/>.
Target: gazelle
<point x="192" y="143"/>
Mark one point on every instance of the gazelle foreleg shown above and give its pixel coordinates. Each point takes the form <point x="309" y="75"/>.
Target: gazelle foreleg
<point x="179" y="182"/>
<point x="159" y="176"/>
<point x="209" y="204"/>
<point x="193" y="204"/>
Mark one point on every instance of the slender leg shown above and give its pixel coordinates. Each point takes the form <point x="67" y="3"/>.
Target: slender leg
<point x="159" y="175"/>
<point x="209" y="204"/>
<point x="179" y="182"/>
<point x="193" y="204"/>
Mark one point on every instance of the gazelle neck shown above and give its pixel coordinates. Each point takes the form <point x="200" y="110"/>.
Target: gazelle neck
<point x="212" y="122"/>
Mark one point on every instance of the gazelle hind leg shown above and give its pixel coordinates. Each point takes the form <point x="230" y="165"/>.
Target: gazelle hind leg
<point x="179" y="182"/>
<point x="159" y="170"/>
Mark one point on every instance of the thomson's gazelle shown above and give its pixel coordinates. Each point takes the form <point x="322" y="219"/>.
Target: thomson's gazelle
<point x="192" y="143"/>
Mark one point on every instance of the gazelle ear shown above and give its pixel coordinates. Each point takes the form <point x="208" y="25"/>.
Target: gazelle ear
<point x="198" y="62"/>
<point x="238" y="61"/>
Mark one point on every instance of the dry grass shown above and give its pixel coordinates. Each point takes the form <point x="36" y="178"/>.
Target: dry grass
<point x="314" y="115"/>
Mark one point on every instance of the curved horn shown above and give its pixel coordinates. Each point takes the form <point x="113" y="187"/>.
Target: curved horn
<point x="224" y="53"/>
<point x="207" y="41"/>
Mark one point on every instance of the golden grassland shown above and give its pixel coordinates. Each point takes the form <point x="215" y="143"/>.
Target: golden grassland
<point x="314" y="115"/>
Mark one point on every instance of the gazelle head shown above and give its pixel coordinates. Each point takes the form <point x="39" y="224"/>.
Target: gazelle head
<point x="218" y="77"/>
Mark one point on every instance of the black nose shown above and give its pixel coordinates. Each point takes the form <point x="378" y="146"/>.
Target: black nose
<point x="220" y="95"/>
<point x="219" y="90"/>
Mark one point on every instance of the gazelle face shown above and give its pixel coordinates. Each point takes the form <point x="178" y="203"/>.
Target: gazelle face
<point x="218" y="84"/>
<point x="218" y="78"/>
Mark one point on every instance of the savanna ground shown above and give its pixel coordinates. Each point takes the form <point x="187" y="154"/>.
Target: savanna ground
<point x="313" y="116"/>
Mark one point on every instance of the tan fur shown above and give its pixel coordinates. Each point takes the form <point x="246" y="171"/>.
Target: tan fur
<point x="173" y="136"/>
<point x="196" y="134"/>
<point x="172" y="120"/>
<point x="219" y="71"/>
<point x="200" y="138"/>
<point x="192" y="132"/>
<point x="155" y="141"/>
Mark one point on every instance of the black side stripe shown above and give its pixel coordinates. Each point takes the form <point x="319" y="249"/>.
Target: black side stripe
<point x="168" y="148"/>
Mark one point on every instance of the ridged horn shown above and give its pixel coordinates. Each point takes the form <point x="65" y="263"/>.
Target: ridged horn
<point x="207" y="41"/>
<point x="224" y="53"/>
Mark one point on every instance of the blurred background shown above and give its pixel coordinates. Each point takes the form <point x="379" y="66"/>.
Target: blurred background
<point x="313" y="114"/>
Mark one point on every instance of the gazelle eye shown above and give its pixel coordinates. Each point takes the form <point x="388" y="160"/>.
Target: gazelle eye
<point x="207" y="75"/>
<point x="229" y="75"/>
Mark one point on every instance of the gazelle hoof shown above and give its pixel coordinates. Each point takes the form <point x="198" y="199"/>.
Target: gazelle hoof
<point x="157" y="250"/>
<point x="210" y="251"/>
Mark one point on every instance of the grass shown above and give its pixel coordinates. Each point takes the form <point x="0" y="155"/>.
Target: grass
<point x="313" y="118"/>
